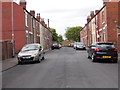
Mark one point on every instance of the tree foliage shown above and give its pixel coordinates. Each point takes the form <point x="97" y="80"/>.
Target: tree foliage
<point x="73" y="33"/>
<point x="60" y="38"/>
<point x="55" y="36"/>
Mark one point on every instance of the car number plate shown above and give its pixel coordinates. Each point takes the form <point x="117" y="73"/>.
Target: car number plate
<point x="26" y="57"/>
<point x="106" y="56"/>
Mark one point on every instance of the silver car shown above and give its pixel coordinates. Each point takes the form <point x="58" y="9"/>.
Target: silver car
<point x="31" y="52"/>
<point x="80" y="46"/>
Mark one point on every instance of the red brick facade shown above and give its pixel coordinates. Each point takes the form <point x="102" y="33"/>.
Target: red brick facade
<point x="23" y="25"/>
<point x="101" y="25"/>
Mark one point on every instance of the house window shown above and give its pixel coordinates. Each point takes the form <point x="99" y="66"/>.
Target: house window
<point x="33" y="23"/>
<point x="26" y="19"/>
<point x="97" y="21"/>
<point x="103" y="15"/>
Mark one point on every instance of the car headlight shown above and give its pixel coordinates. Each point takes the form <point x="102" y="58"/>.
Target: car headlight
<point x="34" y="55"/>
<point x="18" y="56"/>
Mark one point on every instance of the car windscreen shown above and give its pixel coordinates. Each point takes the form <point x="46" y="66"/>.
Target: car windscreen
<point x="30" y="47"/>
<point x="106" y="45"/>
<point x="55" y="44"/>
<point x="80" y="44"/>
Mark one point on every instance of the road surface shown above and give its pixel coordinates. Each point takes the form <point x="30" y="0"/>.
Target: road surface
<point x="64" y="68"/>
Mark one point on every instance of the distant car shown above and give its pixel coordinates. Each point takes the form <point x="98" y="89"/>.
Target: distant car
<point x="31" y="52"/>
<point x="75" y="44"/>
<point x="80" y="46"/>
<point x="72" y="45"/>
<point x="103" y="51"/>
<point x="68" y="45"/>
<point x="60" y="46"/>
<point x="55" y="46"/>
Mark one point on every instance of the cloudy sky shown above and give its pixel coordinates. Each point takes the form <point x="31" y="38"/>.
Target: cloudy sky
<point x="64" y="13"/>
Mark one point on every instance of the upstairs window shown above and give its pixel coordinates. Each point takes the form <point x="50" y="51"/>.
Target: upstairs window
<point x="26" y="19"/>
<point x="33" y="23"/>
<point x="103" y="15"/>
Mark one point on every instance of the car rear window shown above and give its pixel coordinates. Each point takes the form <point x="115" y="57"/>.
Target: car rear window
<point x="106" y="45"/>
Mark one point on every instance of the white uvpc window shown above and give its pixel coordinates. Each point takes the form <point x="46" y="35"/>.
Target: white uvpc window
<point x="26" y="19"/>
<point x="33" y="23"/>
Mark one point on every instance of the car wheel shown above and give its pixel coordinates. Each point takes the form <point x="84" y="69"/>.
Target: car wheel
<point x="93" y="58"/>
<point x="39" y="60"/>
<point x="19" y="63"/>
<point x="43" y="58"/>
<point x="115" y="61"/>
<point x="89" y="57"/>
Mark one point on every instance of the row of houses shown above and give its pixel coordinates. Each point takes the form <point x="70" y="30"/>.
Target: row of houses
<point x="102" y="25"/>
<point x="20" y="27"/>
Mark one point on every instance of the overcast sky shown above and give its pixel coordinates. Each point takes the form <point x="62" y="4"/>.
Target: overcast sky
<point x="64" y="13"/>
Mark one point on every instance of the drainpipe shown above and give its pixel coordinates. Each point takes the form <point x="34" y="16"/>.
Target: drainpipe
<point x="13" y="49"/>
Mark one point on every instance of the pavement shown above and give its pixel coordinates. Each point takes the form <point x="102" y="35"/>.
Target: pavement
<point x="9" y="63"/>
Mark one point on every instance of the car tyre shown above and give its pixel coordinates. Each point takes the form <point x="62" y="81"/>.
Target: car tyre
<point x="93" y="58"/>
<point x="39" y="60"/>
<point x="43" y="58"/>
<point x="20" y="63"/>
<point x="115" y="61"/>
<point x="89" y="57"/>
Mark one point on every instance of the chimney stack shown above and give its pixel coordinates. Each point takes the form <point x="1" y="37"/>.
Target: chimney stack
<point x="92" y="14"/>
<point x="96" y="11"/>
<point x="32" y="12"/>
<point x="42" y="21"/>
<point x="105" y="1"/>
<point x="23" y="3"/>
<point x="38" y="17"/>
<point x="88" y="19"/>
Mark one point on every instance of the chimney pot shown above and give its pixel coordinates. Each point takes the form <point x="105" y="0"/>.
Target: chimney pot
<point x="32" y="12"/>
<point x="38" y="17"/>
<point x="23" y="3"/>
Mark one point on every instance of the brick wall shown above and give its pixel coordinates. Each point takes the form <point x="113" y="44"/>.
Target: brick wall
<point x="119" y="29"/>
<point x="107" y="18"/>
<point x="112" y="21"/>
<point x="19" y="27"/>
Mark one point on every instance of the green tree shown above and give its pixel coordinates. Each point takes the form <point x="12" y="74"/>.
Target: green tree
<point x="60" y="38"/>
<point x="54" y="35"/>
<point x="73" y="33"/>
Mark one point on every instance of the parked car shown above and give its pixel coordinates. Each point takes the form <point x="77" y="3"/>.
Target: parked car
<point x="68" y="45"/>
<point x="75" y="44"/>
<point x="80" y="46"/>
<point x="55" y="46"/>
<point x="72" y="45"/>
<point x="60" y="45"/>
<point x="31" y="52"/>
<point x="103" y="51"/>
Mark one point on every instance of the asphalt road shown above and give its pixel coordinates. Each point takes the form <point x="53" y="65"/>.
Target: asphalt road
<point x="64" y="68"/>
